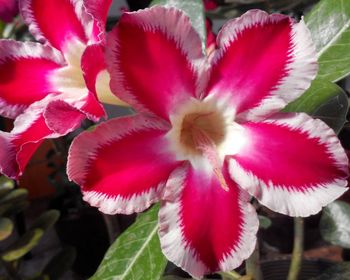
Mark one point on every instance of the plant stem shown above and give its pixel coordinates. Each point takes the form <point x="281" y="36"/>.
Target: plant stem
<point x="231" y="275"/>
<point x="298" y="248"/>
<point x="253" y="264"/>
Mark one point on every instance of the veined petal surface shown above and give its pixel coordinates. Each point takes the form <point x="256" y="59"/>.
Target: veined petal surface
<point x="291" y="163"/>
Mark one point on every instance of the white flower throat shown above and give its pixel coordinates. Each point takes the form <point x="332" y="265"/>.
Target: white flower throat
<point x="204" y="132"/>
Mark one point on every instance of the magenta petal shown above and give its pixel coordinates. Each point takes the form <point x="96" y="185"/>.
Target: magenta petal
<point x="150" y="57"/>
<point x="206" y="228"/>
<point x="263" y="63"/>
<point x="292" y="164"/>
<point x="123" y="164"/>
<point x="25" y="70"/>
<point x="8" y="10"/>
<point x="57" y="21"/>
<point x="92" y="63"/>
<point x="18" y="146"/>
<point x="62" y="117"/>
<point x="98" y="9"/>
<point x="92" y="108"/>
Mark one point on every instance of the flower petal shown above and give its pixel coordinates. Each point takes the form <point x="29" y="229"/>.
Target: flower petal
<point x="58" y="21"/>
<point x="123" y="164"/>
<point x="206" y="228"/>
<point x="92" y="64"/>
<point x="25" y="70"/>
<point x="150" y="57"/>
<point x="20" y="144"/>
<point x="8" y="10"/>
<point x="263" y="63"/>
<point x="291" y="163"/>
<point x="62" y="117"/>
<point x="98" y="9"/>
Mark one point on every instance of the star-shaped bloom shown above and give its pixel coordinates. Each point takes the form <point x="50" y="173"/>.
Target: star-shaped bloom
<point x="50" y="87"/>
<point x="8" y="10"/>
<point x="208" y="134"/>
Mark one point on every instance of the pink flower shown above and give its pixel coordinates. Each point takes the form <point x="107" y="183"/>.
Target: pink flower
<point x="50" y="88"/>
<point x="207" y="135"/>
<point x="210" y="5"/>
<point x="8" y="10"/>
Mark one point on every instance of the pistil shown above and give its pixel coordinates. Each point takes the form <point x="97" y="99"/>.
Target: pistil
<point x="208" y="149"/>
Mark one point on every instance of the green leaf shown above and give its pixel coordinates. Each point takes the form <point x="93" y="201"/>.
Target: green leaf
<point x="324" y="100"/>
<point x="46" y="220"/>
<point x="264" y="222"/>
<point x="335" y="224"/>
<point x="6" y="185"/>
<point x="60" y="263"/>
<point x="340" y="271"/>
<point x="194" y="10"/>
<point x="6" y="228"/>
<point x="23" y="245"/>
<point x="14" y="196"/>
<point x="136" y="254"/>
<point x="173" y="277"/>
<point x="329" y="23"/>
<point x="10" y="208"/>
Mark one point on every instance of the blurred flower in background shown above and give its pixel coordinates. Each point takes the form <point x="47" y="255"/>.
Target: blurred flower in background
<point x="8" y="10"/>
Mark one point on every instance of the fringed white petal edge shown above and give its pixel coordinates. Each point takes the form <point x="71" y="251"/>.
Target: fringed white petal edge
<point x="13" y="50"/>
<point x="111" y="205"/>
<point x="107" y="132"/>
<point x="301" y="69"/>
<point x="176" y="26"/>
<point x="289" y="200"/>
<point x="30" y="20"/>
<point x="173" y="243"/>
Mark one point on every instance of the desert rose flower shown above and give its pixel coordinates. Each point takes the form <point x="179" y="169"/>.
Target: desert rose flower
<point x="207" y="135"/>
<point x="8" y="10"/>
<point x="50" y="87"/>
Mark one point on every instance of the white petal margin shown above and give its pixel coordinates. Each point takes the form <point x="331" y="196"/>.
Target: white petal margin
<point x="13" y="50"/>
<point x="293" y="202"/>
<point x="121" y="205"/>
<point x="173" y="243"/>
<point x="176" y="26"/>
<point x="30" y="20"/>
<point x="302" y="67"/>
<point x="85" y="148"/>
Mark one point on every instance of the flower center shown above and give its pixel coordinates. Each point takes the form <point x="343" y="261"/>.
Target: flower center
<point x="200" y="128"/>
<point x="201" y="134"/>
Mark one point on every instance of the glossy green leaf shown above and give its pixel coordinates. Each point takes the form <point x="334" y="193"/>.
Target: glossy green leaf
<point x="136" y="254"/>
<point x="329" y="23"/>
<point x="6" y="228"/>
<point x="6" y="185"/>
<point x="46" y="220"/>
<point x="60" y="263"/>
<point x="23" y="245"/>
<point x="324" y="100"/>
<point x="335" y="224"/>
<point x="194" y="9"/>
<point x="340" y="271"/>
